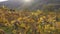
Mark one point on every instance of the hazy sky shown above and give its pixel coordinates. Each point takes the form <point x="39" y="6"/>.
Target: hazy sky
<point x="28" y="3"/>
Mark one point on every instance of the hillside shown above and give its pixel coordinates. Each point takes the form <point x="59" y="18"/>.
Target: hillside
<point x="28" y="22"/>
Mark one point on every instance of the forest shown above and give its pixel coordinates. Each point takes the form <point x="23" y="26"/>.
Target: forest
<point x="29" y="22"/>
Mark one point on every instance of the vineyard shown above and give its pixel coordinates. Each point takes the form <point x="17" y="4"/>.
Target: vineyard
<point x="29" y="22"/>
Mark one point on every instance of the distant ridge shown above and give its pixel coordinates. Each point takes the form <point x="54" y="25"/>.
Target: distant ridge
<point x="16" y="4"/>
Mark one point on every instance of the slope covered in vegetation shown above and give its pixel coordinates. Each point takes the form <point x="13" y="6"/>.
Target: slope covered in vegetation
<point x="28" y="22"/>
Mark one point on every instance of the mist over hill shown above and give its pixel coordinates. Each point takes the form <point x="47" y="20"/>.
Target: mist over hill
<point x="37" y="4"/>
